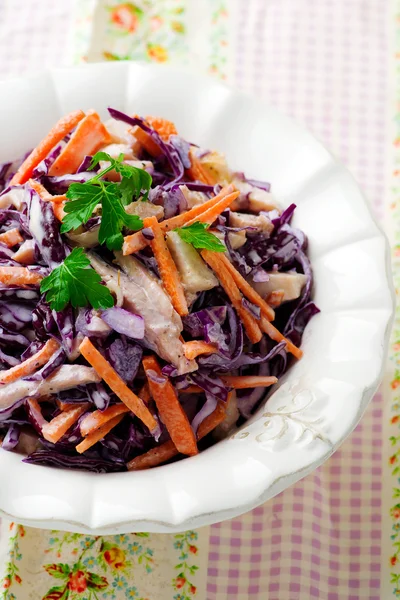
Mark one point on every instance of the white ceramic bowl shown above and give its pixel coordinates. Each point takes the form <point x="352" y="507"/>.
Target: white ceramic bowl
<point x="321" y="398"/>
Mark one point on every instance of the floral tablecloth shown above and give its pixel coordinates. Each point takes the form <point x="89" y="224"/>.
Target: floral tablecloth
<point x="333" y="65"/>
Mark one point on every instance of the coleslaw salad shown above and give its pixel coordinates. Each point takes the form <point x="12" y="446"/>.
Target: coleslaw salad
<point x="149" y="295"/>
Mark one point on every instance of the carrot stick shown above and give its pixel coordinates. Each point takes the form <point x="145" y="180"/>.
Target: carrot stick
<point x="276" y="335"/>
<point x="231" y="289"/>
<point x="205" y="213"/>
<point x="57" y="427"/>
<point x="242" y="382"/>
<point x="196" y="347"/>
<point x="144" y="393"/>
<point x="164" y="129"/>
<point x="160" y="454"/>
<point x="32" y="363"/>
<point x="196" y="171"/>
<point x="136" y="241"/>
<point x="11" y="238"/>
<point x="191" y="389"/>
<point x="118" y="386"/>
<point x="98" y="435"/>
<point x="96" y="419"/>
<point x="213" y="420"/>
<point x="19" y="276"/>
<point x="246" y="288"/>
<point x="169" y="408"/>
<point x="86" y="139"/>
<point x="168" y="271"/>
<point x="146" y="141"/>
<point x="275" y="298"/>
<point x="63" y="406"/>
<point x="58" y="202"/>
<point x="55" y="135"/>
<point x="154" y="457"/>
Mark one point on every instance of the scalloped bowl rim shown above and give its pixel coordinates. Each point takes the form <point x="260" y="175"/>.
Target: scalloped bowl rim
<point x="300" y="430"/>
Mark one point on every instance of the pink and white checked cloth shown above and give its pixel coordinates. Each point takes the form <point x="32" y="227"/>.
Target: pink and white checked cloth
<point x="326" y="63"/>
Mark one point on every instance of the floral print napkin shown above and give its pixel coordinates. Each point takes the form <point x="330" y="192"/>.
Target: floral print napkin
<point x="56" y="565"/>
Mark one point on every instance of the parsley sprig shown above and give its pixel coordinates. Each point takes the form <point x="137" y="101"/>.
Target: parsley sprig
<point x="197" y="235"/>
<point x="76" y="282"/>
<point x="113" y="197"/>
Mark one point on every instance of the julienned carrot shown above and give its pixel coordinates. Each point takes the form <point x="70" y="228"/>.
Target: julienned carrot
<point x="196" y="348"/>
<point x="19" y="276"/>
<point x="146" y="141"/>
<point x="275" y="298"/>
<point x="11" y="238"/>
<point x="63" y="406"/>
<point x="160" y="454"/>
<point x="213" y="420"/>
<point x="206" y="212"/>
<point x="86" y="139"/>
<point x="168" y="271"/>
<point x="246" y="288"/>
<point x="276" y="335"/>
<point x="118" y="386"/>
<point x="58" y="202"/>
<point x="196" y="171"/>
<point x="96" y="419"/>
<point x="55" y="135"/>
<point x="154" y="457"/>
<point x="170" y="410"/>
<point x="163" y="127"/>
<point x="136" y="241"/>
<point x="32" y="363"/>
<point x="232" y="291"/>
<point x="57" y="427"/>
<point x="98" y="435"/>
<point x="242" y="382"/>
<point x="144" y="393"/>
<point x="213" y="212"/>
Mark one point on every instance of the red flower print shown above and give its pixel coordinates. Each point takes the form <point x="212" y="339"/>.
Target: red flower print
<point x="193" y="549"/>
<point x="180" y="582"/>
<point x="115" y="557"/>
<point x="193" y="589"/>
<point x="18" y="579"/>
<point x="396" y="346"/>
<point x="395" y="384"/>
<point x="393" y="459"/>
<point x="393" y="560"/>
<point x="77" y="582"/>
<point x="7" y="583"/>
<point x="396" y="513"/>
<point x="395" y="419"/>
<point x="125" y="16"/>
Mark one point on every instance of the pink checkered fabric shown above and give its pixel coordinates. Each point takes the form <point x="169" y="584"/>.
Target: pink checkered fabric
<point x="325" y="64"/>
<point x="27" y="41"/>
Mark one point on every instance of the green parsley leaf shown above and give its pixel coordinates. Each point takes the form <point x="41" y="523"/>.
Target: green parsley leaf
<point x="135" y="182"/>
<point x="114" y="218"/>
<point x="84" y="197"/>
<point x="76" y="282"/>
<point x="197" y="235"/>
